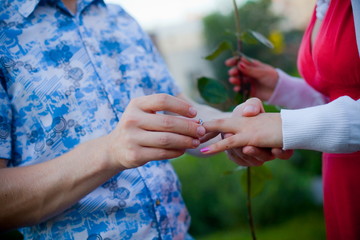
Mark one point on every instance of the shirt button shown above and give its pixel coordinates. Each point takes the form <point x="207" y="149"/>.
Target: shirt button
<point x="157" y="202"/>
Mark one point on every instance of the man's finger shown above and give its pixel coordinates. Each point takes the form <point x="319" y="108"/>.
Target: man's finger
<point x="168" y="141"/>
<point x="241" y="159"/>
<point x="208" y="136"/>
<point x="260" y="154"/>
<point x="165" y="102"/>
<point x="174" y="124"/>
<point x="282" y="154"/>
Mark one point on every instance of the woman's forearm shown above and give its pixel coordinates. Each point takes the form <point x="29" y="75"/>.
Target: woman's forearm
<point x="292" y="92"/>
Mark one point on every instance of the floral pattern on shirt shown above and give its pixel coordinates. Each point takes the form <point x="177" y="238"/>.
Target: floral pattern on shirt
<point x="67" y="79"/>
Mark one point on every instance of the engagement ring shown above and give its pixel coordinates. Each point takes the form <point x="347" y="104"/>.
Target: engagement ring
<point x="201" y="122"/>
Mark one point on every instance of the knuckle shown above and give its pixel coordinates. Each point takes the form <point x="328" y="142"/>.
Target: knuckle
<point x="188" y="142"/>
<point x="219" y="122"/>
<point x="133" y="156"/>
<point x="167" y="122"/>
<point x="229" y="141"/>
<point x="162" y="99"/>
<point x="136" y="101"/>
<point x="130" y="120"/>
<point x="163" y="154"/>
<point x="191" y="129"/>
<point x="164" y="141"/>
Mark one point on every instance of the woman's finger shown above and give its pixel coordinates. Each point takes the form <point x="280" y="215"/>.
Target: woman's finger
<point x="231" y="61"/>
<point x="234" y="72"/>
<point x="234" y="80"/>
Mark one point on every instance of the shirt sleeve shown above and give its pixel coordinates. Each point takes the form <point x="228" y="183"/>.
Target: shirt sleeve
<point x="292" y="92"/>
<point x="331" y="128"/>
<point x="5" y="124"/>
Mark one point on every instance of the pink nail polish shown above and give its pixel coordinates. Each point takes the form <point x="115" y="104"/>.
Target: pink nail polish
<point x="206" y="149"/>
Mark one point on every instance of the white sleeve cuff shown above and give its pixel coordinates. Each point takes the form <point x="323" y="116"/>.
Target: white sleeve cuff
<point x="292" y="92"/>
<point x="332" y="128"/>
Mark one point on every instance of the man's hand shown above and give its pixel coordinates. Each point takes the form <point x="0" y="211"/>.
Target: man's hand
<point x="143" y="134"/>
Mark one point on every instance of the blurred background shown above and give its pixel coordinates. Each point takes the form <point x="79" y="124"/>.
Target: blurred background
<point x="289" y="207"/>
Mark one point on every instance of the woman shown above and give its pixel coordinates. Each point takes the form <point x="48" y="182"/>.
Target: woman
<point x="329" y="62"/>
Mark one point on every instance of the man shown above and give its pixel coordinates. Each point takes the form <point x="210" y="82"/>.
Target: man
<point x="81" y="96"/>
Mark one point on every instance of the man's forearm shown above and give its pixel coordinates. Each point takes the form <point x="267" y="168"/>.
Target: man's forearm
<point x="32" y="194"/>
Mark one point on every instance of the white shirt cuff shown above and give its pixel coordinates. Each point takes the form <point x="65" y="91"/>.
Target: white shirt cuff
<point x="332" y="128"/>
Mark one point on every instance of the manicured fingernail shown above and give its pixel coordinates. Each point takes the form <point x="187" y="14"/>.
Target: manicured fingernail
<point x="196" y="142"/>
<point x="200" y="131"/>
<point x="249" y="109"/>
<point x="206" y="149"/>
<point x="242" y="65"/>
<point x="192" y="111"/>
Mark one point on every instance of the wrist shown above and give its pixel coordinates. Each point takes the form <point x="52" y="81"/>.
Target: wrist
<point x="106" y="153"/>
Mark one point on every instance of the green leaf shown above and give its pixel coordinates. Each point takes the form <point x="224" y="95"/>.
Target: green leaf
<point x="223" y="46"/>
<point x="259" y="176"/>
<point x="253" y="37"/>
<point x="212" y="91"/>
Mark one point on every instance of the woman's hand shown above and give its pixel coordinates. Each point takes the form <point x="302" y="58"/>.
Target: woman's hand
<point x="250" y="155"/>
<point x="263" y="130"/>
<point x="263" y="77"/>
<point x="143" y="134"/>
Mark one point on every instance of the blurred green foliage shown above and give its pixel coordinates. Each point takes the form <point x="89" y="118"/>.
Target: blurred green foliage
<point x="309" y="226"/>
<point x="217" y="202"/>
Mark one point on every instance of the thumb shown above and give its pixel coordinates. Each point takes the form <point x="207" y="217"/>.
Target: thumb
<point x="250" y="108"/>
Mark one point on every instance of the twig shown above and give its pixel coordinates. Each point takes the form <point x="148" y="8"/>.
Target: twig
<point x="245" y="89"/>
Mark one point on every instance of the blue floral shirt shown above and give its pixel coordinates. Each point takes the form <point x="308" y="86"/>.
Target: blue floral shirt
<point x="67" y="79"/>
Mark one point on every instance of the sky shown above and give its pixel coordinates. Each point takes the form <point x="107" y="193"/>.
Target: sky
<point x="155" y="13"/>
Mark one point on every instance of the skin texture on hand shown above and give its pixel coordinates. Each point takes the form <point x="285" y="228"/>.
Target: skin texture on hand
<point x="263" y="77"/>
<point x="250" y="155"/>
<point x="143" y="134"/>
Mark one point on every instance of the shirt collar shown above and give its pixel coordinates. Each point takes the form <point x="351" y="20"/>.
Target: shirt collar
<point x="26" y="7"/>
